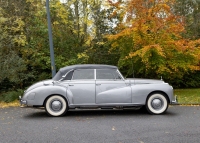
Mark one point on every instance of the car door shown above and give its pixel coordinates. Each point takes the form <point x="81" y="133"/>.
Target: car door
<point x="82" y="87"/>
<point x="111" y="88"/>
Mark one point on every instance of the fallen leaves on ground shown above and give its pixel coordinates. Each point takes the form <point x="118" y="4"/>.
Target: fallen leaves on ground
<point x="12" y="104"/>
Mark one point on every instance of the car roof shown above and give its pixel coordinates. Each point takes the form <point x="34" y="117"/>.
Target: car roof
<point x="64" y="70"/>
<point x="87" y="66"/>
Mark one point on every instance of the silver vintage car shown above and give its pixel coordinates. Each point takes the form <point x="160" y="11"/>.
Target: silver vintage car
<point x="97" y="86"/>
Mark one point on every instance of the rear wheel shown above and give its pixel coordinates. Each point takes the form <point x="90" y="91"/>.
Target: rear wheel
<point x="56" y="106"/>
<point x="157" y="104"/>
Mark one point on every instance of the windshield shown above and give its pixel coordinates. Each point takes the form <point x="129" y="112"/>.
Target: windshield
<point x="58" y="76"/>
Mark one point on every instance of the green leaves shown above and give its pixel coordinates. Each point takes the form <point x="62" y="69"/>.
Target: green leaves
<point x="12" y="67"/>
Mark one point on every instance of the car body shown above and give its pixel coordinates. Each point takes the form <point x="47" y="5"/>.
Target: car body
<point x="97" y="86"/>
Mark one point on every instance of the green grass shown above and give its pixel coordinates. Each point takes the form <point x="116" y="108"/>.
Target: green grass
<point x="188" y="96"/>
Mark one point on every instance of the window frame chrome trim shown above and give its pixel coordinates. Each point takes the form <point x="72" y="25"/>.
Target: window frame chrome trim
<point x="82" y="79"/>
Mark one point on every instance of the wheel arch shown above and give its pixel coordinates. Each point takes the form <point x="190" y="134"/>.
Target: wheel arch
<point x="67" y="102"/>
<point x="158" y="91"/>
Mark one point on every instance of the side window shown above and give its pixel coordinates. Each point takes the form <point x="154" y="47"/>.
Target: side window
<point x="68" y="76"/>
<point x="83" y="74"/>
<point x="107" y="74"/>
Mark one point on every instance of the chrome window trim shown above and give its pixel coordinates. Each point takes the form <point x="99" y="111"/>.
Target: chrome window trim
<point x="120" y="74"/>
<point x="95" y="74"/>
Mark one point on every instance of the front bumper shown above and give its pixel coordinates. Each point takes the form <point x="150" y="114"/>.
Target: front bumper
<point x="22" y="102"/>
<point x="175" y="101"/>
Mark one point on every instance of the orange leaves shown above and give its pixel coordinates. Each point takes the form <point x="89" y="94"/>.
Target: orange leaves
<point x="151" y="34"/>
<point x="189" y="47"/>
<point x="147" y="51"/>
<point x="149" y="20"/>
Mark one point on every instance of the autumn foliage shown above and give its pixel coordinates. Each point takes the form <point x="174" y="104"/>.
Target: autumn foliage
<point x="149" y="37"/>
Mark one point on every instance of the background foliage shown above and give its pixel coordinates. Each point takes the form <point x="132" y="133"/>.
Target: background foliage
<point x="151" y="38"/>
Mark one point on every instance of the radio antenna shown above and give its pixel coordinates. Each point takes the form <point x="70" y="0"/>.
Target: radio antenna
<point x="133" y="69"/>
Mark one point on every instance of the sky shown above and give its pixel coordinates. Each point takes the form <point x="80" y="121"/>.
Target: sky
<point x="63" y="1"/>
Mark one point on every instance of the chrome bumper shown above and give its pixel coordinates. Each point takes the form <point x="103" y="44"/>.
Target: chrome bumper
<point x="22" y="102"/>
<point x="175" y="101"/>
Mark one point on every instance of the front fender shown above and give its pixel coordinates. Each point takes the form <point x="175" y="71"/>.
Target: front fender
<point x="140" y="92"/>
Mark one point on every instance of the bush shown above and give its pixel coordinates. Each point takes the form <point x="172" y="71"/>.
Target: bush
<point x="190" y="80"/>
<point x="11" y="95"/>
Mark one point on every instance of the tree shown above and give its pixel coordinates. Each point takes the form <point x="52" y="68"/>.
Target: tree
<point x="150" y="41"/>
<point x="190" y="10"/>
<point x="12" y="38"/>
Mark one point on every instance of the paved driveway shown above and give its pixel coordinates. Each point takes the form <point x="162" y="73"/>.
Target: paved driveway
<point x="178" y="125"/>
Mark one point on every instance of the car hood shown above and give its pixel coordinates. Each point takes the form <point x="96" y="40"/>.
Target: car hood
<point x="144" y="81"/>
<point x="41" y="83"/>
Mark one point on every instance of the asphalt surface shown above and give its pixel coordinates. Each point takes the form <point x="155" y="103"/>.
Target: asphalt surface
<point x="179" y="125"/>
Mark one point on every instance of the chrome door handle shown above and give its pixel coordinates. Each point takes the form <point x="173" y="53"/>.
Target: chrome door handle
<point x="71" y="85"/>
<point x="98" y="84"/>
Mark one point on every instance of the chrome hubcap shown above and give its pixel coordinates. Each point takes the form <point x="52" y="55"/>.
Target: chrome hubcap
<point x="56" y="105"/>
<point x="157" y="103"/>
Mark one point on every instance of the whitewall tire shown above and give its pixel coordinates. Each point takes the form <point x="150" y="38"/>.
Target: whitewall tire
<point x="56" y="106"/>
<point x="157" y="103"/>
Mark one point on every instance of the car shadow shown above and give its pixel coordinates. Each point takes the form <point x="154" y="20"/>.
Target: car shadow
<point x="108" y="112"/>
<point x="97" y="112"/>
<point x="38" y="114"/>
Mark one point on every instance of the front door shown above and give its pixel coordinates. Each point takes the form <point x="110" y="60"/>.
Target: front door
<point x="82" y="87"/>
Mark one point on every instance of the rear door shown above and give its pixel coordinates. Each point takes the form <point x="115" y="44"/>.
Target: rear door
<point x="111" y="88"/>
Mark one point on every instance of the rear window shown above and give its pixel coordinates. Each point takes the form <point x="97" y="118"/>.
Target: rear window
<point x="107" y="74"/>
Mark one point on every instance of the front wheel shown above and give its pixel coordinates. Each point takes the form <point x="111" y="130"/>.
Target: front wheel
<point x="156" y="104"/>
<point x="56" y="106"/>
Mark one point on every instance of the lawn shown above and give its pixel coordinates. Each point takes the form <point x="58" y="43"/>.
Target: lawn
<point x="188" y="96"/>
